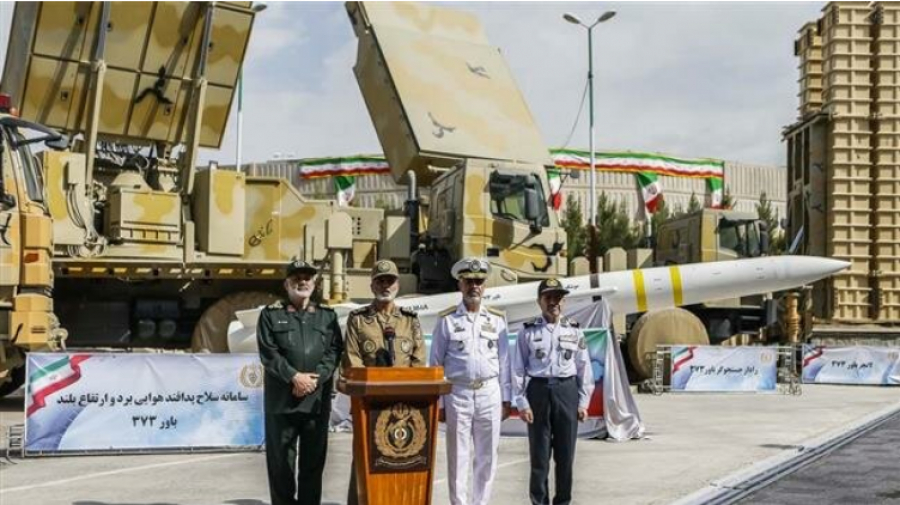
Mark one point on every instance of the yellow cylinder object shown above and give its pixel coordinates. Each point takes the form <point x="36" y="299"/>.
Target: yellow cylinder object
<point x="211" y="332"/>
<point x="662" y="327"/>
<point x="791" y="319"/>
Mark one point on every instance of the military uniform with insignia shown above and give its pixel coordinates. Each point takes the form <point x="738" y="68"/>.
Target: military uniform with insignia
<point x="552" y="377"/>
<point x="473" y="348"/>
<point x="388" y="337"/>
<point x="371" y="332"/>
<point x="293" y="340"/>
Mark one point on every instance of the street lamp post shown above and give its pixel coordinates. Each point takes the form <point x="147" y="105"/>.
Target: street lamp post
<point x="592" y="200"/>
<point x="259" y="7"/>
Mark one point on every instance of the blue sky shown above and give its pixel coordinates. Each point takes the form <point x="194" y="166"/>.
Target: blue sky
<point x="688" y="79"/>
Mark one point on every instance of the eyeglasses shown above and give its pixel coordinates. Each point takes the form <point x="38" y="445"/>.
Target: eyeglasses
<point x="477" y="282"/>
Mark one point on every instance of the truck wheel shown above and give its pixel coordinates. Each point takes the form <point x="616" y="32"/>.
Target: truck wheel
<point x="662" y="327"/>
<point x="15" y="380"/>
<point x="211" y="332"/>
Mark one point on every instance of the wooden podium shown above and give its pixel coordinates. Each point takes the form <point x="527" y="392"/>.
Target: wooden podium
<point x="394" y="431"/>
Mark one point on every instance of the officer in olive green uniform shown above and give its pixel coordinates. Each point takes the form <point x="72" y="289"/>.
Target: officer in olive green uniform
<point x="299" y="345"/>
<point x="382" y="334"/>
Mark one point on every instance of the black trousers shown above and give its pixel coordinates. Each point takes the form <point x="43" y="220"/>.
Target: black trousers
<point x="554" y="403"/>
<point x="296" y="447"/>
<point x="352" y="492"/>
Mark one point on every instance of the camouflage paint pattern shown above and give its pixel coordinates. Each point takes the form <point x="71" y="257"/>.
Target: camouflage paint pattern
<point x="437" y="91"/>
<point x="26" y="313"/>
<point x="440" y="95"/>
<point x="47" y="71"/>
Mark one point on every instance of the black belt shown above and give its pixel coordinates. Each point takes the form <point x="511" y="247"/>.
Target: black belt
<point x="552" y="380"/>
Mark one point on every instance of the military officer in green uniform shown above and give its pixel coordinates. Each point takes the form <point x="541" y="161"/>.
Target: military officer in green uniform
<point x="299" y="345"/>
<point x="382" y="334"/>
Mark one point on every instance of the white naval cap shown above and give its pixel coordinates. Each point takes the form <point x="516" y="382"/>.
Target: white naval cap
<point x="471" y="268"/>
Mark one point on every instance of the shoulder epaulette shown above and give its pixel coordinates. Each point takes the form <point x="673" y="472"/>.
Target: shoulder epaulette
<point x="358" y="312"/>
<point x="326" y="307"/>
<point x="534" y="322"/>
<point x="279" y="304"/>
<point x="408" y="312"/>
<point x="496" y="312"/>
<point x="447" y="311"/>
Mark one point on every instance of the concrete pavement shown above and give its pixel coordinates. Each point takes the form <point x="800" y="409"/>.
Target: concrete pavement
<point x="692" y="440"/>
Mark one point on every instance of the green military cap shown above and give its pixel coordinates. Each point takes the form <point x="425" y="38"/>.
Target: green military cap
<point x="471" y="268"/>
<point x="300" y="266"/>
<point x="551" y="285"/>
<point x="383" y="268"/>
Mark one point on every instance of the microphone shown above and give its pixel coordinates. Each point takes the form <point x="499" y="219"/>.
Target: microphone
<point x="382" y="358"/>
<point x="389" y="335"/>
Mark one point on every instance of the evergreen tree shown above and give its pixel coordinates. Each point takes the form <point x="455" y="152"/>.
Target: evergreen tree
<point x="694" y="204"/>
<point x="576" y="233"/>
<point x="614" y="229"/>
<point x="662" y="214"/>
<point x="728" y="201"/>
<point x="769" y="215"/>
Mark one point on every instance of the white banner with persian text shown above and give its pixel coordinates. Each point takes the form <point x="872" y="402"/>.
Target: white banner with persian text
<point x="80" y="402"/>
<point x="863" y="365"/>
<point x="724" y="369"/>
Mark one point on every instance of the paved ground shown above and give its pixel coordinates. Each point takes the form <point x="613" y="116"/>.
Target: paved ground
<point x="693" y="440"/>
<point x="866" y="471"/>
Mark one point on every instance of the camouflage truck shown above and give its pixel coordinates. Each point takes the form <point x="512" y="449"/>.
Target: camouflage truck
<point x="26" y="309"/>
<point x="148" y="251"/>
<point x="140" y="248"/>
<point x="707" y="235"/>
<point x="450" y="116"/>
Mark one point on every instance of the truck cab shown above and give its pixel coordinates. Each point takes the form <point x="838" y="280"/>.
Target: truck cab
<point x="27" y="321"/>
<point x="450" y="118"/>
<point x="710" y="235"/>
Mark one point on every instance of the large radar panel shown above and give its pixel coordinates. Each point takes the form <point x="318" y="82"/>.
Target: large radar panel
<point x="437" y="91"/>
<point x="153" y="52"/>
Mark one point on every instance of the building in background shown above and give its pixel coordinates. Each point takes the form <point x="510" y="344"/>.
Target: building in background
<point x="744" y="181"/>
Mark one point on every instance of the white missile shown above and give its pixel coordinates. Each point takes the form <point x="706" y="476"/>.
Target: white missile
<point x="627" y="291"/>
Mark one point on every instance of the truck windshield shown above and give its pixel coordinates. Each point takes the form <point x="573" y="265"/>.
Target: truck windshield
<point x="739" y="237"/>
<point x="34" y="180"/>
<point x="508" y="196"/>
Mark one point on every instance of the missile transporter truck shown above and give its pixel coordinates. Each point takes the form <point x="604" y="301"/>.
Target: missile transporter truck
<point x="140" y="248"/>
<point x="707" y="235"/>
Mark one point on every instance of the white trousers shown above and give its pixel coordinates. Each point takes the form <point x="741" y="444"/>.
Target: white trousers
<point x="473" y="421"/>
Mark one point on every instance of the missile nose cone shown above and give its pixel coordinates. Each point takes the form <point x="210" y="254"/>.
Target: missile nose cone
<point x="836" y="266"/>
<point x="813" y="268"/>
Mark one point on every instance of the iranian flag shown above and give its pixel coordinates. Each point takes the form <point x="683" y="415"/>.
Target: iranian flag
<point x="651" y="191"/>
<point x="680" y="358"/>
<point x="54" y="377"/>
<point x="351" y="165"/>
<point x="555" y="182"/>
<point x="345" y="187"/>
<point x="715" y="185"/>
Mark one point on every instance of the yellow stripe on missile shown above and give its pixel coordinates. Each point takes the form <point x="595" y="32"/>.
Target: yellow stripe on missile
<point x="640" y="293"/>
<point x="675" y="274"/>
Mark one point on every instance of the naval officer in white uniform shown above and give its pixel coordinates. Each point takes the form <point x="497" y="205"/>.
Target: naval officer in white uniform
<point x="470" y="341"/>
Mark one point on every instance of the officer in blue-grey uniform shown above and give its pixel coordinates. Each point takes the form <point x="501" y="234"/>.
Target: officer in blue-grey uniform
<point x="552" y="385"/>
<point x="470" y="341"/>
<point x="300" y="344"/>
